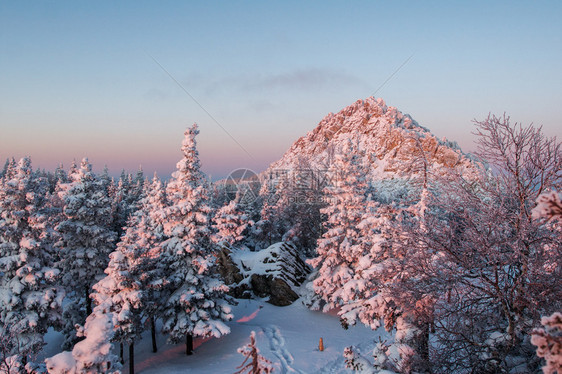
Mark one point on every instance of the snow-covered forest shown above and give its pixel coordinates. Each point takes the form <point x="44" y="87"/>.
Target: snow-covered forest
<point x="453" y="262"/>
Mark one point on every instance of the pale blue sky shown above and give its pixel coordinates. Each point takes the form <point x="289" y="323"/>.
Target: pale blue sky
<point x="77" y="79"/>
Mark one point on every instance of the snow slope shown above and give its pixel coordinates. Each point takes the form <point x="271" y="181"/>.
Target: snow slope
<point x="287" y="336"/>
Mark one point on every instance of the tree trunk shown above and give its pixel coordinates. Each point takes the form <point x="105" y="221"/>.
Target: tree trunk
<point x="153" y="334"/>
<point x="132" y="358"/>
<point x="121" y="354"/>
<point x="88" y="301"/>
<point x="424" y="345"/>
<point x="189" y="344"/>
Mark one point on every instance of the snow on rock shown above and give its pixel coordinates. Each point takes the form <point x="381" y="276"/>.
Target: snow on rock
<point x="275" y="272"/>
<point x="63" y="362"/>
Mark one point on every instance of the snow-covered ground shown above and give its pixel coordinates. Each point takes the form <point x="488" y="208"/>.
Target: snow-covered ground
<point x="287" y="336"/>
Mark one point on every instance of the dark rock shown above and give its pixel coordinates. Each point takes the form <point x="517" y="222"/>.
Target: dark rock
<point x="279" y="279"/>
<point x="231" y="274"/>
<point x="279" y="292"/>
<point x="228" y="270"/>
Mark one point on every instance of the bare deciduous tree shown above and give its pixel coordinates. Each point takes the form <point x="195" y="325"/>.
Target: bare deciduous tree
<point x="479" y="269"/>
<point x="254" y="363"/>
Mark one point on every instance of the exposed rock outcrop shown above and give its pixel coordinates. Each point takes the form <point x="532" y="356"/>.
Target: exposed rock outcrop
<point x="275" y="272"/>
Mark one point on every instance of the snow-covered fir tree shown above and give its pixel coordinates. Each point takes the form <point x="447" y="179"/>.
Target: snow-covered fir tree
<point x="548" y="339"/>
<point x="137" y="191"/>
<point x="120" y="207"/>
<point x="342" y="245"/>
<point x="372" y="299"/>
<point x="128" y="296"/>
<point x="9" y="169"/>
<point x="30" y="298"/>
<point x="197" y="303"/>
<point x="134" y="281"/>
<point x="152" y="211"/>
<point x="86" y="241"/>
<point x="265" y="231"/>
<point x="91" y="355"/>
<point x="549" y="343"/>
<point x="60" y="176"/>
<point x="230" y="224"/>
<point x="124" y="288"/>
<point x="299" y="206"/>
<point x="126" y="199"/>
<point x="5" y="168"/>
<point x="367" y="300"/>
<point x="73" y="174"/>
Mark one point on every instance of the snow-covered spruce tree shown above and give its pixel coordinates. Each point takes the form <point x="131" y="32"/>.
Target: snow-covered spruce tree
<point x="86" y="241"/>
<point x="373" y="301"/>
<point x="264" y="232"/>
<point x="257" y="364"/>
<point x="137" y="192"/>
<point x="120" y="206"/>
<point x="549" y="343"/>
<point x="230" y="224"/>
<point x="153" y="206"/>
<point x="342" y="245"/>
<point x="548" y="339"/>
<point x="128" y="296"/>
<point x="127" y="198"/>
<point x="5" y="168"/>
<point x="106" y="182"/>
<point x="155" y="281"/>
<point x="305" y="219"/>
<point x="9" y="169"/>
<point x="92" y="355"/>
<point x="297" y="209"/>
<point x="30" y="299"/>
<point x="354" y="361"/>
<point x="368" y="302"/>
<point x="369" y="299"/>
<point x="73" y="174"/>
<point x="124" y="289"/>
<point x="197" y="303"/>
<point x="133" y="284"/>
<point x="280" y="201"/>
<point x="55" y="214"/>
<point x="59" y="177"/>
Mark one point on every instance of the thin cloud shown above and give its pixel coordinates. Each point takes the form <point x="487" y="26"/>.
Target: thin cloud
<point x="298" y="80"/>
<point x="309" y="79"/>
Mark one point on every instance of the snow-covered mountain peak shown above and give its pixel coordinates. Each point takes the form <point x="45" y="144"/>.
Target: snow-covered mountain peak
<point x="391" y="143"/>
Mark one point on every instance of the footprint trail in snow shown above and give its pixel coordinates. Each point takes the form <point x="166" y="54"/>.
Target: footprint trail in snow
<point x="277" y="346"/>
